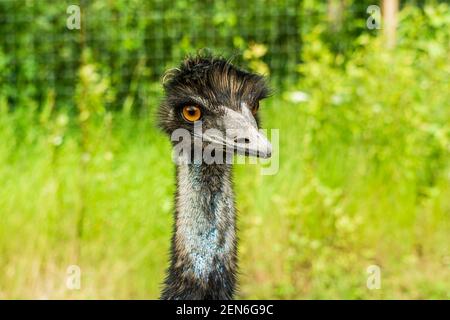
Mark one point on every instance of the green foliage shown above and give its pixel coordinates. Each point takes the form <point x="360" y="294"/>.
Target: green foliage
<point x="371" y="161"/>
<point x="364" y="155"/>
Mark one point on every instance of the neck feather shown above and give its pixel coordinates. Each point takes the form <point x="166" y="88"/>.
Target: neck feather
<point x="204" y="241"/>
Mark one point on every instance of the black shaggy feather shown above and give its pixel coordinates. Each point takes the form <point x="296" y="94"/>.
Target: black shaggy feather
<point x="203" y="249"/>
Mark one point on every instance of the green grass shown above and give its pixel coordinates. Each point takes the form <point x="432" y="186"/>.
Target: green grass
<point x="310" y="231"/>
<point x="364" y="179"/>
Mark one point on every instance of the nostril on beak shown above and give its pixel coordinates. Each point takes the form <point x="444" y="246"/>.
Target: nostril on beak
<point x="242" y="140"/>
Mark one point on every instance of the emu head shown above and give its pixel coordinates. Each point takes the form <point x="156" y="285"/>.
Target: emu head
<point x="217" y="104"/>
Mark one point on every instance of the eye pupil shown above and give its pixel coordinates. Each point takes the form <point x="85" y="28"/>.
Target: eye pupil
<point x="255" y="108"/>
<point x="191" y="113"/>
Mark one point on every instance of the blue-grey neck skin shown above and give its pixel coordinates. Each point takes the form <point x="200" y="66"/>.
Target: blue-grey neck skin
<point x="204" y="241"/>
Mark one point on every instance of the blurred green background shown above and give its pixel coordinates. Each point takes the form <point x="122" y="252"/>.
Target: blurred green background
<point x="86" y="178"/>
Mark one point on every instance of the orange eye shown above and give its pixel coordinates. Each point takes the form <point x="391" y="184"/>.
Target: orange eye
<point x="255" y="108"/>
<point x="191" y="113"/>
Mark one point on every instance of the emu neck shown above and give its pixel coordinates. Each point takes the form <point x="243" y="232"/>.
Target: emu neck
<point x="204" y="242"/>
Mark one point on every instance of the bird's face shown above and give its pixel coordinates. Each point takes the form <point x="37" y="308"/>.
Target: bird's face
<point x="218" y="104"/>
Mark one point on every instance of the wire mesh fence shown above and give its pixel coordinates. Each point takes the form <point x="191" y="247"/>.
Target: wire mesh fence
<point x="132" y="42"/>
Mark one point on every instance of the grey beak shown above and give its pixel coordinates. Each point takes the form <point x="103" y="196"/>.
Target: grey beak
<point x="242" y="135"/>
